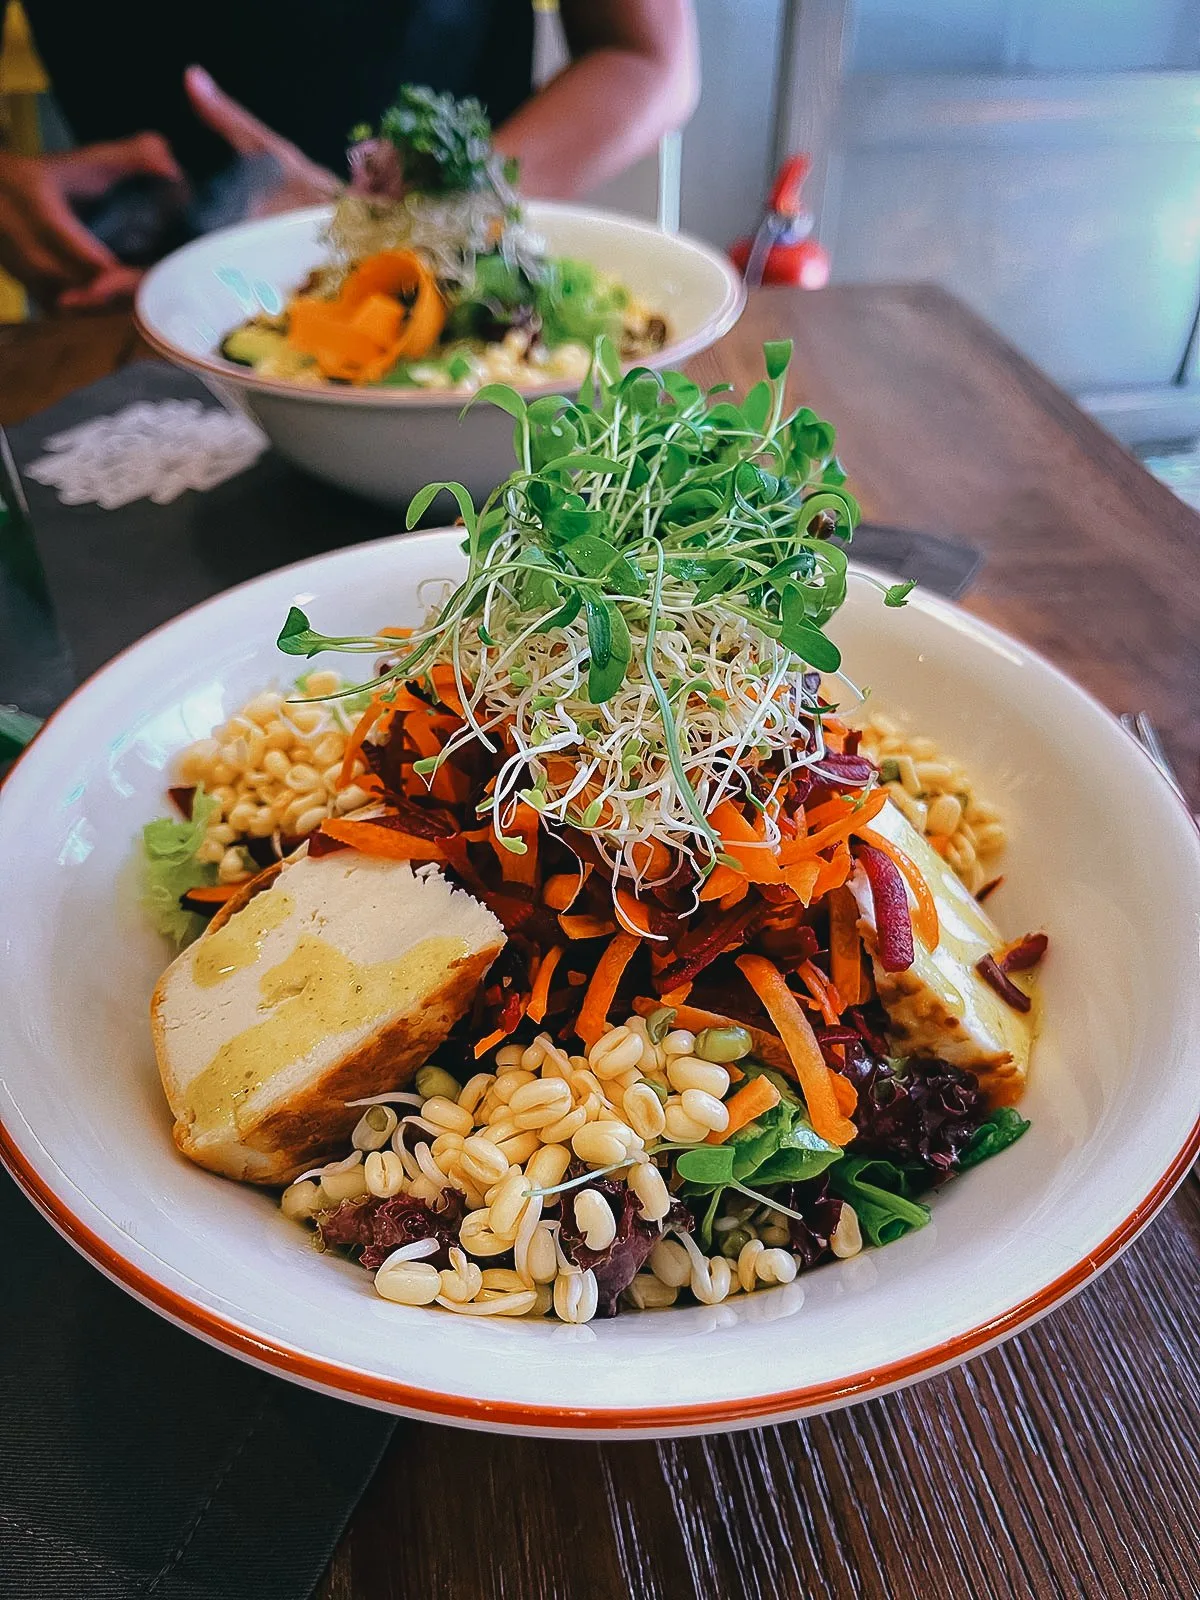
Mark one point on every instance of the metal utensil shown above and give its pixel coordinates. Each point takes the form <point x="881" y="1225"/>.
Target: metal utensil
<point x="1138" y="724"/>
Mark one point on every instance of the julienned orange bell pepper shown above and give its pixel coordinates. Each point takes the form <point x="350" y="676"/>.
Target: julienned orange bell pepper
<point x="389" y="309"/>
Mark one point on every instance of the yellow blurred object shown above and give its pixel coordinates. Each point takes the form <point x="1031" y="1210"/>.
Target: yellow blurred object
<point x="21" y="69"/>
<point x="22" y="79"/>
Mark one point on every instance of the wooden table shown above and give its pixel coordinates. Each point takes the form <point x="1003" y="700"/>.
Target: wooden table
<point x="1067" y="1462"/>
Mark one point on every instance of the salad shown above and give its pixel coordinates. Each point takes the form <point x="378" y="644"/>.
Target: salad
<point x="433" y="280"/>
<point x="750" y="1011"/>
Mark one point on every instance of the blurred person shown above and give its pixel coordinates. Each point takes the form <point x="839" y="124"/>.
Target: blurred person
<point x="167" y="148"/>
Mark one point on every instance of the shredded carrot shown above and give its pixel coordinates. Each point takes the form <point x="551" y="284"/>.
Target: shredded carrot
<point x="561" y="889"/>
<point x="393" y="633"/>
<point x="650" y="858"/>
<point x="844" y="1093"/>
<point x="851" y="822"/>
<point x="446" y="686"/>
<point x="746" y="843"/>
<point x="722" y="880"/>
<point x="372" y="840"/>
<point x="759" y="1095"/>
<point x="845" y="947"/>
<point x="795" y="1030"/>
<point x="482" y="1046"/>
<point x="580" y="927"/>
<point x="829" y="1001"/>
<point x="593" y="1014"/>
<point x="677" y="997"/>
<point x="521" y="868"/>
<point x="735" y="896"/>
<point x="803" y="878"/>
<point x="925" y="914"/>
<point x="834" y="872"/>
<point x="634" y="914"/>
<point x="358" y="734"/>
<point x="832" y="811"/>
<point x="540" y="994"/>
<point x="215" y="894"/>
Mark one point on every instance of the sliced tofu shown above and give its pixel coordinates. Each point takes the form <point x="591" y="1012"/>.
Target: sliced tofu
<point x="334" y="981"/>
<point x="941" y="1006"/>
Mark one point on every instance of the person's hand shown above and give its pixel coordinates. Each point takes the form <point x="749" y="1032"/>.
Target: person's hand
<point x="43" y="243"/>
<point x="298" y="181"/>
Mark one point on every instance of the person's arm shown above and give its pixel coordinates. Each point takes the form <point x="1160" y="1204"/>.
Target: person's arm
<point x="634" y="76"/>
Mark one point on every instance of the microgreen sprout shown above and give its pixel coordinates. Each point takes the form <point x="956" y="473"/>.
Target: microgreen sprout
<point x="644" y="600"/>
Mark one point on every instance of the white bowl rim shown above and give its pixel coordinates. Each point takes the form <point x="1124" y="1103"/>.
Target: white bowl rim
<point x="390" y="399"/>
<point x="374" y="1390"/>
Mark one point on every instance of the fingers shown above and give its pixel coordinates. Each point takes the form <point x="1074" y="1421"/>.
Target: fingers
<point x="91" y="170"/>
<point x="224" y="115"/>
<point x="28" y="257"/>
<point x="62" y="229"/>
<point x="110" y="287"/>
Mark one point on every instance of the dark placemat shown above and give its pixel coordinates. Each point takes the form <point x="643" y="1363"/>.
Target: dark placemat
<point x="134" y="1460"/>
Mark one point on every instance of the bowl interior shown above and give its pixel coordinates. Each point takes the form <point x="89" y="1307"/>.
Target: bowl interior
<point x="190" y="300"/>
<point x="1102" y="856"/>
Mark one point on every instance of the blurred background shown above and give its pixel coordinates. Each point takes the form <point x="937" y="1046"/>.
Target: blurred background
<point x="1039" y="158"/>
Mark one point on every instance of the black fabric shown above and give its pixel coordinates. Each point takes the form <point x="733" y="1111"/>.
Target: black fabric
<point x="137" y="1462"/>
<point x="308" y="68"/>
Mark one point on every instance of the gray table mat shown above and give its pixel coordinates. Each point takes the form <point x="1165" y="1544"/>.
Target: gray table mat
<point x="134" y="1460"/>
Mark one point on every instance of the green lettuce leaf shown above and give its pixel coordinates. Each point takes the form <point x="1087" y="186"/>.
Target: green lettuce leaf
<point x="1002" y="1128"/>
<point x="781" y="1146"/>
<point x="170" y="869"/>
<point x="881" y="1194"/>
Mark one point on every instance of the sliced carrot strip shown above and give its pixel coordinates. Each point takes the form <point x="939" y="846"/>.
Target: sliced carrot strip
<point x="844" y="1093"/>
<point x="581" y="927"/>
<point x="677" y="997"/>
<point x="745" y="844"/>
<point x="801" y="849"/>
<point x="834" y="872"/>
<point x="735" y="896"/>
<point x="540" y="994"/>
<point x="650" y="858"/>
<point x="925" y="914"/>
<point x="803" y="878"/>
<point x="635" y="914"/>
<point x="358" y="734"/>
<point x="214" y="894"/>
<point x="845" y="947"/>
<point x="601" y="991"/>
<point x="482" y="1046"/>
<point x="561" y="889"/>
<point x="372" y="840"/>
<point x="759" y="1095"/>
<point x="722" y="880"/>
<point x="795" y="1030"/>
<point x="822" y="991"/>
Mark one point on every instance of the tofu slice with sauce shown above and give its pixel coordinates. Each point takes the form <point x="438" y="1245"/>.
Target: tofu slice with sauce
<point x="334" y="981"/>
<point x="941" y="1006"/>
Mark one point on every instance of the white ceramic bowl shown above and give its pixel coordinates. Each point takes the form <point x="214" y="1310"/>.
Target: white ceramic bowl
<point x="1103" y="855"/>
<point x="388" y="443"/>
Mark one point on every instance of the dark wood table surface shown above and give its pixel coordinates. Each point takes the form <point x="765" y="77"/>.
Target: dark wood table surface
<point x="1065" y="1463"/>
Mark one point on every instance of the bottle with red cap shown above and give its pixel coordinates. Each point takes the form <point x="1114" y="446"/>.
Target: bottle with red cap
<point x="783" y="250"/>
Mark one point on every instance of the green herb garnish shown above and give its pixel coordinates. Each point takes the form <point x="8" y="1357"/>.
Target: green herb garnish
<point x="169" y="868"/>
<point x="650" y="535"/>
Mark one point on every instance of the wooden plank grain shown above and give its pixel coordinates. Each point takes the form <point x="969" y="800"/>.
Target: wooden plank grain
<point x="40" y="362"/>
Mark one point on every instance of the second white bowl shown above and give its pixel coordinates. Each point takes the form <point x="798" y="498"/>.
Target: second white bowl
<point x="387" y="443"/>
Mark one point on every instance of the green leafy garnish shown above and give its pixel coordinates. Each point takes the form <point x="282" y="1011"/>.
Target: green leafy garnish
<point x="445" y="144"/>
<point x="778" y="1147"/>
<point x="1004" y="1127"/>
<point x="882" y="1196"/>
<point x="898" y="593"/>
<point x="170" y="869"/>
<point x="656" y="552"/>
